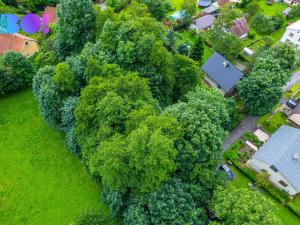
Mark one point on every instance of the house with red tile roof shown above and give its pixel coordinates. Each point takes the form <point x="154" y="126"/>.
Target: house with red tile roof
<point x="240" y="28"/>
<point x="51" y="12"/>
<point x="18" y="43"/>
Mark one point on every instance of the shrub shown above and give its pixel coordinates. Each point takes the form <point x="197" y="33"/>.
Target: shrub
<point x="47" y="94"/>
<point x="92" y="217"/>
<point x="16" y="72"/>
<point x="68" y="124"/>
<point x="295" y="12"/>
<point x="251" y="35"/>
<point x="232" y="152"/>
<point x="266" y="24"/>
<point x="294" y="208"/>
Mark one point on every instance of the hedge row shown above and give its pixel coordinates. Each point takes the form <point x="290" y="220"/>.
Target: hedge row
<point x="294" y="208"/>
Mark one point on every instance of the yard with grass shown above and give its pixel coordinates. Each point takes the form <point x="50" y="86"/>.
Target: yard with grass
<point x="286" y="216"/>
<point x="41" y="182"/>
<point x="176" y="4"/>
<point x="271" y="125"/>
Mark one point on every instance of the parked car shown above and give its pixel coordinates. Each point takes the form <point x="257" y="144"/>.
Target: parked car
<point x="228" y="171"/>
<point x="291" y="103"/>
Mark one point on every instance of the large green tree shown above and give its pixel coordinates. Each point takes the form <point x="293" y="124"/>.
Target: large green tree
<point x="189" y="7"/>
<point x="262" y="89"/>
<point x="241" y="206"/>
<point x="173" y="203"/>
<point x="141" y="48"/>
<point x="204" y="117"/>
<point x="143" y="160"/>
<point x="186" y="75"/>
<point x="157" y="8"/>
<point x="104" y="106"/>
<point x="75" y="26"/>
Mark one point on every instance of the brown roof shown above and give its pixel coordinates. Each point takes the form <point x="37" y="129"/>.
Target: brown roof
<point x="240" y="27"/>
<point x="222" y="2"/>
<point x="12" y="42"/>
<point x="51" y="11"/>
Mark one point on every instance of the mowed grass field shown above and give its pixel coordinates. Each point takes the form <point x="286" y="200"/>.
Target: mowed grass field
<point x="41" y="182"/>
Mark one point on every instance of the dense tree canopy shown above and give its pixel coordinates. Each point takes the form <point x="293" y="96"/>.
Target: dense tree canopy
<point x="204" y="117"/>
<point x="75" y="18"/>
<point x="108" y="101"/>
<point x="171" y="204"/>
<point x="143" y="160"/>
<point x="266" y="24"/>
<point x="241" y="206"/>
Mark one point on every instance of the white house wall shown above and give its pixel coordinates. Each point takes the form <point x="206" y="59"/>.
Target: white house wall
<point x="295" y="39"/>
<point x="274" y="177"/>
<point x="213" y="84"/>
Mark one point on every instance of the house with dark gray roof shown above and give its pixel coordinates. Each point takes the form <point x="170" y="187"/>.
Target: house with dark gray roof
<point x="221" y="74"/>
<point x="203" y="23"/>
<point x="280" y="157"/>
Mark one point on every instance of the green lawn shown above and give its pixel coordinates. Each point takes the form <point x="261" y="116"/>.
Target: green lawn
<point x="176" y="4"/>
<point x="286" y="216"/>
<point x="293" y="90"/>
<point x="271" y="10"/>
<point x="41" y="182"/>
<point x="271" y="126"/>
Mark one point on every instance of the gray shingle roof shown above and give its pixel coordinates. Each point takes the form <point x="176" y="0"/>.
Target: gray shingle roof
<point x="204" y="3"/>
<point x="279" y="151"/>
<point x="204" y="22"/>
<point x="225" y="77"/>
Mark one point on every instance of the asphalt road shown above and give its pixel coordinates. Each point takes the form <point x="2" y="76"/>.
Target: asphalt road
<point x="294" y="80"/>
<point x="248" y="124"/>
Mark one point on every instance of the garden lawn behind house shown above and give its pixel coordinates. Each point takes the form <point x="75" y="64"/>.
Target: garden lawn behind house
<point x="271" y="10"/>
<point x="41" y="182"/>
<point x="176" y="4"/>
<point x="283" y="213"/>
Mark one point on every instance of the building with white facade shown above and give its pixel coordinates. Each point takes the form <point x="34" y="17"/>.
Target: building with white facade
<point x="292" y="34"/>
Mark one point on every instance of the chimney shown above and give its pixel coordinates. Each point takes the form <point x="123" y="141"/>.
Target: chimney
<point x="296" y="157"/>
<point x="225" y="64"/>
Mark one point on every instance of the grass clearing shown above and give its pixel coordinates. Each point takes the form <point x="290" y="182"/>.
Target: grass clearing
<point x="41" y="182"/>
<point x="271" y="10"/>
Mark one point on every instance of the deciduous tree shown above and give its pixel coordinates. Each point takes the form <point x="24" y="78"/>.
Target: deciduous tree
<point x="241" y="206"/>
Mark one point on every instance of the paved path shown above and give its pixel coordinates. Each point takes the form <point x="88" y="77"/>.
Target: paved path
<point x="248" y="124"/>
<point x="294" y="80"/>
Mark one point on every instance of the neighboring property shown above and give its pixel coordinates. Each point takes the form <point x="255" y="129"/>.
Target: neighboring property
<point x="204" y="3"/>
<point x="292" y="34"/>
<point x="240" y="28"/>
<point x="221" y="74"/>
<point x="210" y="10"/>
<point x="51" y="12"/>
<point x="291" y="2"/>
<point x="203" y="23"/>
<point x="280" y="157"/>
<point x="18" y="43"/>
<point x="294" y="118"/>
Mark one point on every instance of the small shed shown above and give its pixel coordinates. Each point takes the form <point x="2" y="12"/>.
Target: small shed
<point x="286" y="11"/>
<point x="261" y="135"/>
